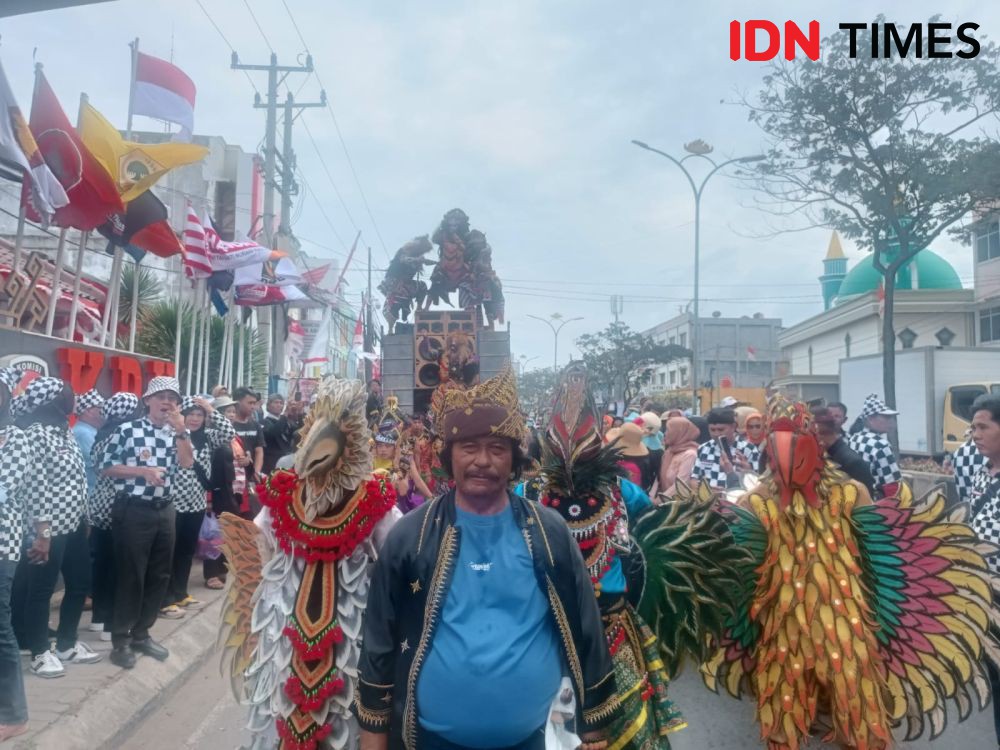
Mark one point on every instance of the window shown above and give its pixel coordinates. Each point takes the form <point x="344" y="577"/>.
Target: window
<point x="663" y="379"/>
<point x="684" y="340"/>
<point x="847" y="345"/>
<point x="962" y="398"/>
<point x="989" y="325"/>
<point x="673" y="378"/>
<point x="684" y="375"/>
<point x="672" y="340"/>
<point x="988" y="241"/>
<point x="907" y="337"/>
<point x="945" y="336"/>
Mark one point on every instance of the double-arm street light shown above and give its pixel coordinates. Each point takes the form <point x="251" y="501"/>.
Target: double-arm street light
<point x="555" y="334"/>
<point x="701" y="150"/>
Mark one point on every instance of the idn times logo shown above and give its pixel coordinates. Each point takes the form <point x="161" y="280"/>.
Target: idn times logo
<point x="759" y="40"/>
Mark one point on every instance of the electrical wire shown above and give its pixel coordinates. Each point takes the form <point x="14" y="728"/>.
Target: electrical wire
<point x="259" y="27"/>
<point x="224" y="39"/>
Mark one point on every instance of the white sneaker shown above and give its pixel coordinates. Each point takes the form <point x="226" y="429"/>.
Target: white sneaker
<point x="95" y="627"/>
<point x="47" y="665"/>
<point x="81" y="653"/>
<point x="105" y="636"/>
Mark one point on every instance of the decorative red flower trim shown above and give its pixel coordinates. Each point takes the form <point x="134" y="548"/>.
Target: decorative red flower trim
<point x="296" y="537"/>
<point x="309" y="741"/>
<point x="312" y="651"/>
<point x="313" y="700"/>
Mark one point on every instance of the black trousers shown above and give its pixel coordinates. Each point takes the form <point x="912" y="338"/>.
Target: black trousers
<point x="144" y="548"/>
<point x="32" y="594"/>
<point x="76" y="573"/>
<point x="187" y="527"/>
<point x="102" y="550"/>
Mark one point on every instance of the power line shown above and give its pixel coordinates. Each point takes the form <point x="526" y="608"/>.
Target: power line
<point x="224" y="39"/>
<point x="329" y="176"/>
<point x="259" y="27"/>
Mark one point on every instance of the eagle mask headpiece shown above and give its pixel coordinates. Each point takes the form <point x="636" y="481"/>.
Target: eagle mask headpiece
<point x="333" y="457"/>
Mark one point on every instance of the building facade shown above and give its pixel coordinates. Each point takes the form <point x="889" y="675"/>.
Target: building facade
<point x="732" y="352"/>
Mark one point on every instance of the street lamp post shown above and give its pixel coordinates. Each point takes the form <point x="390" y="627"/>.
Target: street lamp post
<point x="555" y="335"/>
<point x="701" y="150"/>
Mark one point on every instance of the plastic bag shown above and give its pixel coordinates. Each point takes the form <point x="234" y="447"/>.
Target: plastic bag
<point x="209" y="539"/>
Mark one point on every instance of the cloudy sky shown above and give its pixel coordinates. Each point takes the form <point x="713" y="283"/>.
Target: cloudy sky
<point x="519" y="112"/>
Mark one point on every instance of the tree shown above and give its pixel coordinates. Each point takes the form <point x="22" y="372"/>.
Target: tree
<point x="536" y="389"/>
<point x="620" y="360"/>
<point x="150" y="290"/>
<point x="884" y="150"/>
<point x="158" y="330"/>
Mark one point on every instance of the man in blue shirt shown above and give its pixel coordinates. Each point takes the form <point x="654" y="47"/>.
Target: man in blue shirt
<point x="88" y="422"/>
<point x="479" y="605"/>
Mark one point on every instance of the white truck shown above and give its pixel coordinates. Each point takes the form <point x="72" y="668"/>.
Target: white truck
<point x="935" y="388"/>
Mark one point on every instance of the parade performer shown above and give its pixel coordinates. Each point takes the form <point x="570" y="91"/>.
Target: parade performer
<point x="293" y="622"/>
<point x="865" y="616"/>
<point x="403" y="289"/>
<point x="690" y="563"/>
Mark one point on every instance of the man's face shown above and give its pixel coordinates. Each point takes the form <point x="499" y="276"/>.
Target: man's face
<point x="482" y="466"/>
<point x="275" y="406"/>
<point x="161" y="405"/>
<point x="375" y="388"/>
<point x="986" y="434"/>
<point x="92" y="416"/>
<point x="881" y="422"/>
<point x="245" y="406"/>
<point x="826" y="436"/>
<point x="838" y="415"/>
<point x="727" y="431"/>
<point x="384" y="450"/>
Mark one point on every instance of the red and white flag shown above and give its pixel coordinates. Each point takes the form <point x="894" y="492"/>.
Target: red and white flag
<point x="295" y="340"/>
<point x="880" y="296"/>
<point x="314" y="276"/>
<point x="256" y="295"/>
<point x="358" y="344"/>
<point x="751" y="354"/>
<point x="197" y="264"/>
<point x="163" y="91"/>
<point x="321" y="343"/>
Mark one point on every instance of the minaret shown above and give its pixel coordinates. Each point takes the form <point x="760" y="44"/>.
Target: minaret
<point x="834" y="270"/>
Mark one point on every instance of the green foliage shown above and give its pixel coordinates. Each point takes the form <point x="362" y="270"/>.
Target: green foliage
<point x="150" y="290"/>
<point x="157" y="333"/>
<point x="536" y="388"/>
<point x="620" y="360"/>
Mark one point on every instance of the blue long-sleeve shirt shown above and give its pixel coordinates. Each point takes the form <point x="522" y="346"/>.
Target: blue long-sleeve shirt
<point x="85" y="434"/>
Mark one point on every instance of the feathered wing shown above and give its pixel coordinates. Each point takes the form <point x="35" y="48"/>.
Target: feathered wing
<point x="694" y="575"/>
<point x="931" y="593"/>
<point x="239" y="544"/>
<point x="735" y="656"/>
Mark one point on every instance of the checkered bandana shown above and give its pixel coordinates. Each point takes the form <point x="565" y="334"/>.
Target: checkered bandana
<point x="188" y="403"/>
<point x="874" y="406"/>
<point x="162" y="383"/>
<point x="10" y="377"/>
<point x="88" y="400"/>
<point x="120" y="406"/>
<point x="40" y="391"/>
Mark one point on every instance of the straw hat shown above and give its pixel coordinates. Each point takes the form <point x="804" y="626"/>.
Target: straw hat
<point x="630" y="440"/>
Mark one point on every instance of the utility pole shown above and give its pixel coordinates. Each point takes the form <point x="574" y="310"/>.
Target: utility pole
<point x="289" y="188"/>
<point x="369" y="338"/>
<point x="274" y="80"/>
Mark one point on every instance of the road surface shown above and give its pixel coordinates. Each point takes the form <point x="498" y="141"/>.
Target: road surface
<point x="202" y="715"/>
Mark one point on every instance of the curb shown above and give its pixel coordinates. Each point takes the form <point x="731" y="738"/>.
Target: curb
<point x="105" y="718"/>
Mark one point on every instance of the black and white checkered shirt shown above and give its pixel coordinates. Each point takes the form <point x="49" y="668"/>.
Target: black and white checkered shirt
<point x="16" y="459"/>
<point x="140" y="443"/>
<point x="874" y="448"/>
<point x="59" y="478"/>
<point x="751" y="451"/>
<point x="188" y="493"/>
<point x="984" y="496"/>
<point x="966" y="462"/>
<point x="102" y="496"/>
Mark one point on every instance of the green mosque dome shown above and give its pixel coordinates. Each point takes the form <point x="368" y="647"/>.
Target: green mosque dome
<point x="928" y="271"/>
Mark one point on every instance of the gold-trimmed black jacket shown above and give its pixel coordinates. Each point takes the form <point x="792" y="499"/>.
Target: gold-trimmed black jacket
<point x="408" y="592"/>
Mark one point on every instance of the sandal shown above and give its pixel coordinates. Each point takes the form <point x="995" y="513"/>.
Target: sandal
<point x="214" y="583"/>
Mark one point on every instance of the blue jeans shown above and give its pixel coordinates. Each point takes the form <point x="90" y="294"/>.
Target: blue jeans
<point x="13" y="705"/>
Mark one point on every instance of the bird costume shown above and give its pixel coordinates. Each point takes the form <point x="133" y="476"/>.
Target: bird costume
<point x="856" y="617"/>
<point x="671" y="566"/>
<point x="292" y="619"/>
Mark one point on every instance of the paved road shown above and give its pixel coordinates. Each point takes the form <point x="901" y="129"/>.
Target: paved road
<point x="202" y="715"/>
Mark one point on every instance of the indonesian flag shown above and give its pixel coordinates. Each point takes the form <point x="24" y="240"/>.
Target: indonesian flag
<point x="18" y="149"/>
<point x="295" y="340"/>
<point x="321" y="343"/>
<point x="255" y="295"/>
<point x="315" y="275"/>
<point x="358" y="344"/>
<point x="751" y="354"/>
<point x="196" y="261"/>
<point x="164" y="91"/>
<point x="880" y="296"/>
